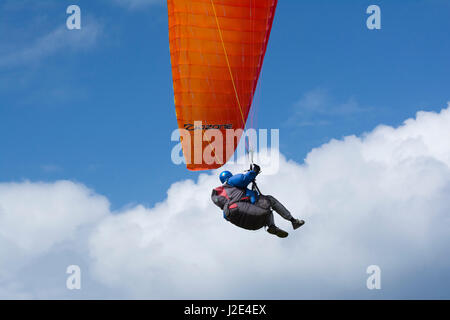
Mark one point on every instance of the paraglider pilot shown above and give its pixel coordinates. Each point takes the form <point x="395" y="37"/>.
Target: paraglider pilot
<point x="248" y="208"/>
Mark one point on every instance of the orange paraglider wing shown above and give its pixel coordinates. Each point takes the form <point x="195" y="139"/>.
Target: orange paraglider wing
<point x="217" y="50"/>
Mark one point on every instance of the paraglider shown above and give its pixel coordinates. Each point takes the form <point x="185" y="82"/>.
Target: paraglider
<point x="217" y="49"/>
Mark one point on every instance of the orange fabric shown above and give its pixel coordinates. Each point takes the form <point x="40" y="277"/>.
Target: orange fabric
<point x="217" y="51"/>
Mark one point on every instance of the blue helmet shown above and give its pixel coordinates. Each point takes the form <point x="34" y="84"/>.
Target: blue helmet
<point x="224" y="176"/>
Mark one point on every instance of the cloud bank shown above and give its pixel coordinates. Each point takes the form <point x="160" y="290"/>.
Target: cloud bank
<point x="382" y="198"/>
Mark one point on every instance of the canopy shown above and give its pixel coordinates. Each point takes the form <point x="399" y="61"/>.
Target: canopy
<point x="217" y="50"/>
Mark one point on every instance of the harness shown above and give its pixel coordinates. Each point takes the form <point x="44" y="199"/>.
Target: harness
<point x="226" y="197"/>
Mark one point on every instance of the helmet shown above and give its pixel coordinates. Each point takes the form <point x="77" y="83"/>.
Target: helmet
<point x="224" y="176"/>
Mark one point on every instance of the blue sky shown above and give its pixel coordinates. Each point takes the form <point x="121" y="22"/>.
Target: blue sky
<point x="95" y="107"/>
<point x="102" y="112"/>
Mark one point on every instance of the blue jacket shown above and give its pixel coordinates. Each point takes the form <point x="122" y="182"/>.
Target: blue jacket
<point x="242" y="181"/>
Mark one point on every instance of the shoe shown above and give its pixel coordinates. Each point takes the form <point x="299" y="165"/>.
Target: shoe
<point x="277" y="231"/>
<point x="296" y="223"/>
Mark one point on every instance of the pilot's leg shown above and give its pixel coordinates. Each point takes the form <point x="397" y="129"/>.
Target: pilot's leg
<point x="279" y="208"/>
<point x="276" y="205"/>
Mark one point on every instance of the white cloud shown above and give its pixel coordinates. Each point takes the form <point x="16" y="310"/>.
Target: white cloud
<point x="34" y="217"/>
<point x="51" y="168"/>
<point x="55" y="41"/>
<point x="378" y="199"/>
<point x="318" y="107"/>
<point x="319" y="101"/>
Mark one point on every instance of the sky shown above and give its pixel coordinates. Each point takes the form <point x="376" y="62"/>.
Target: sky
<point x="86" y="176"/>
